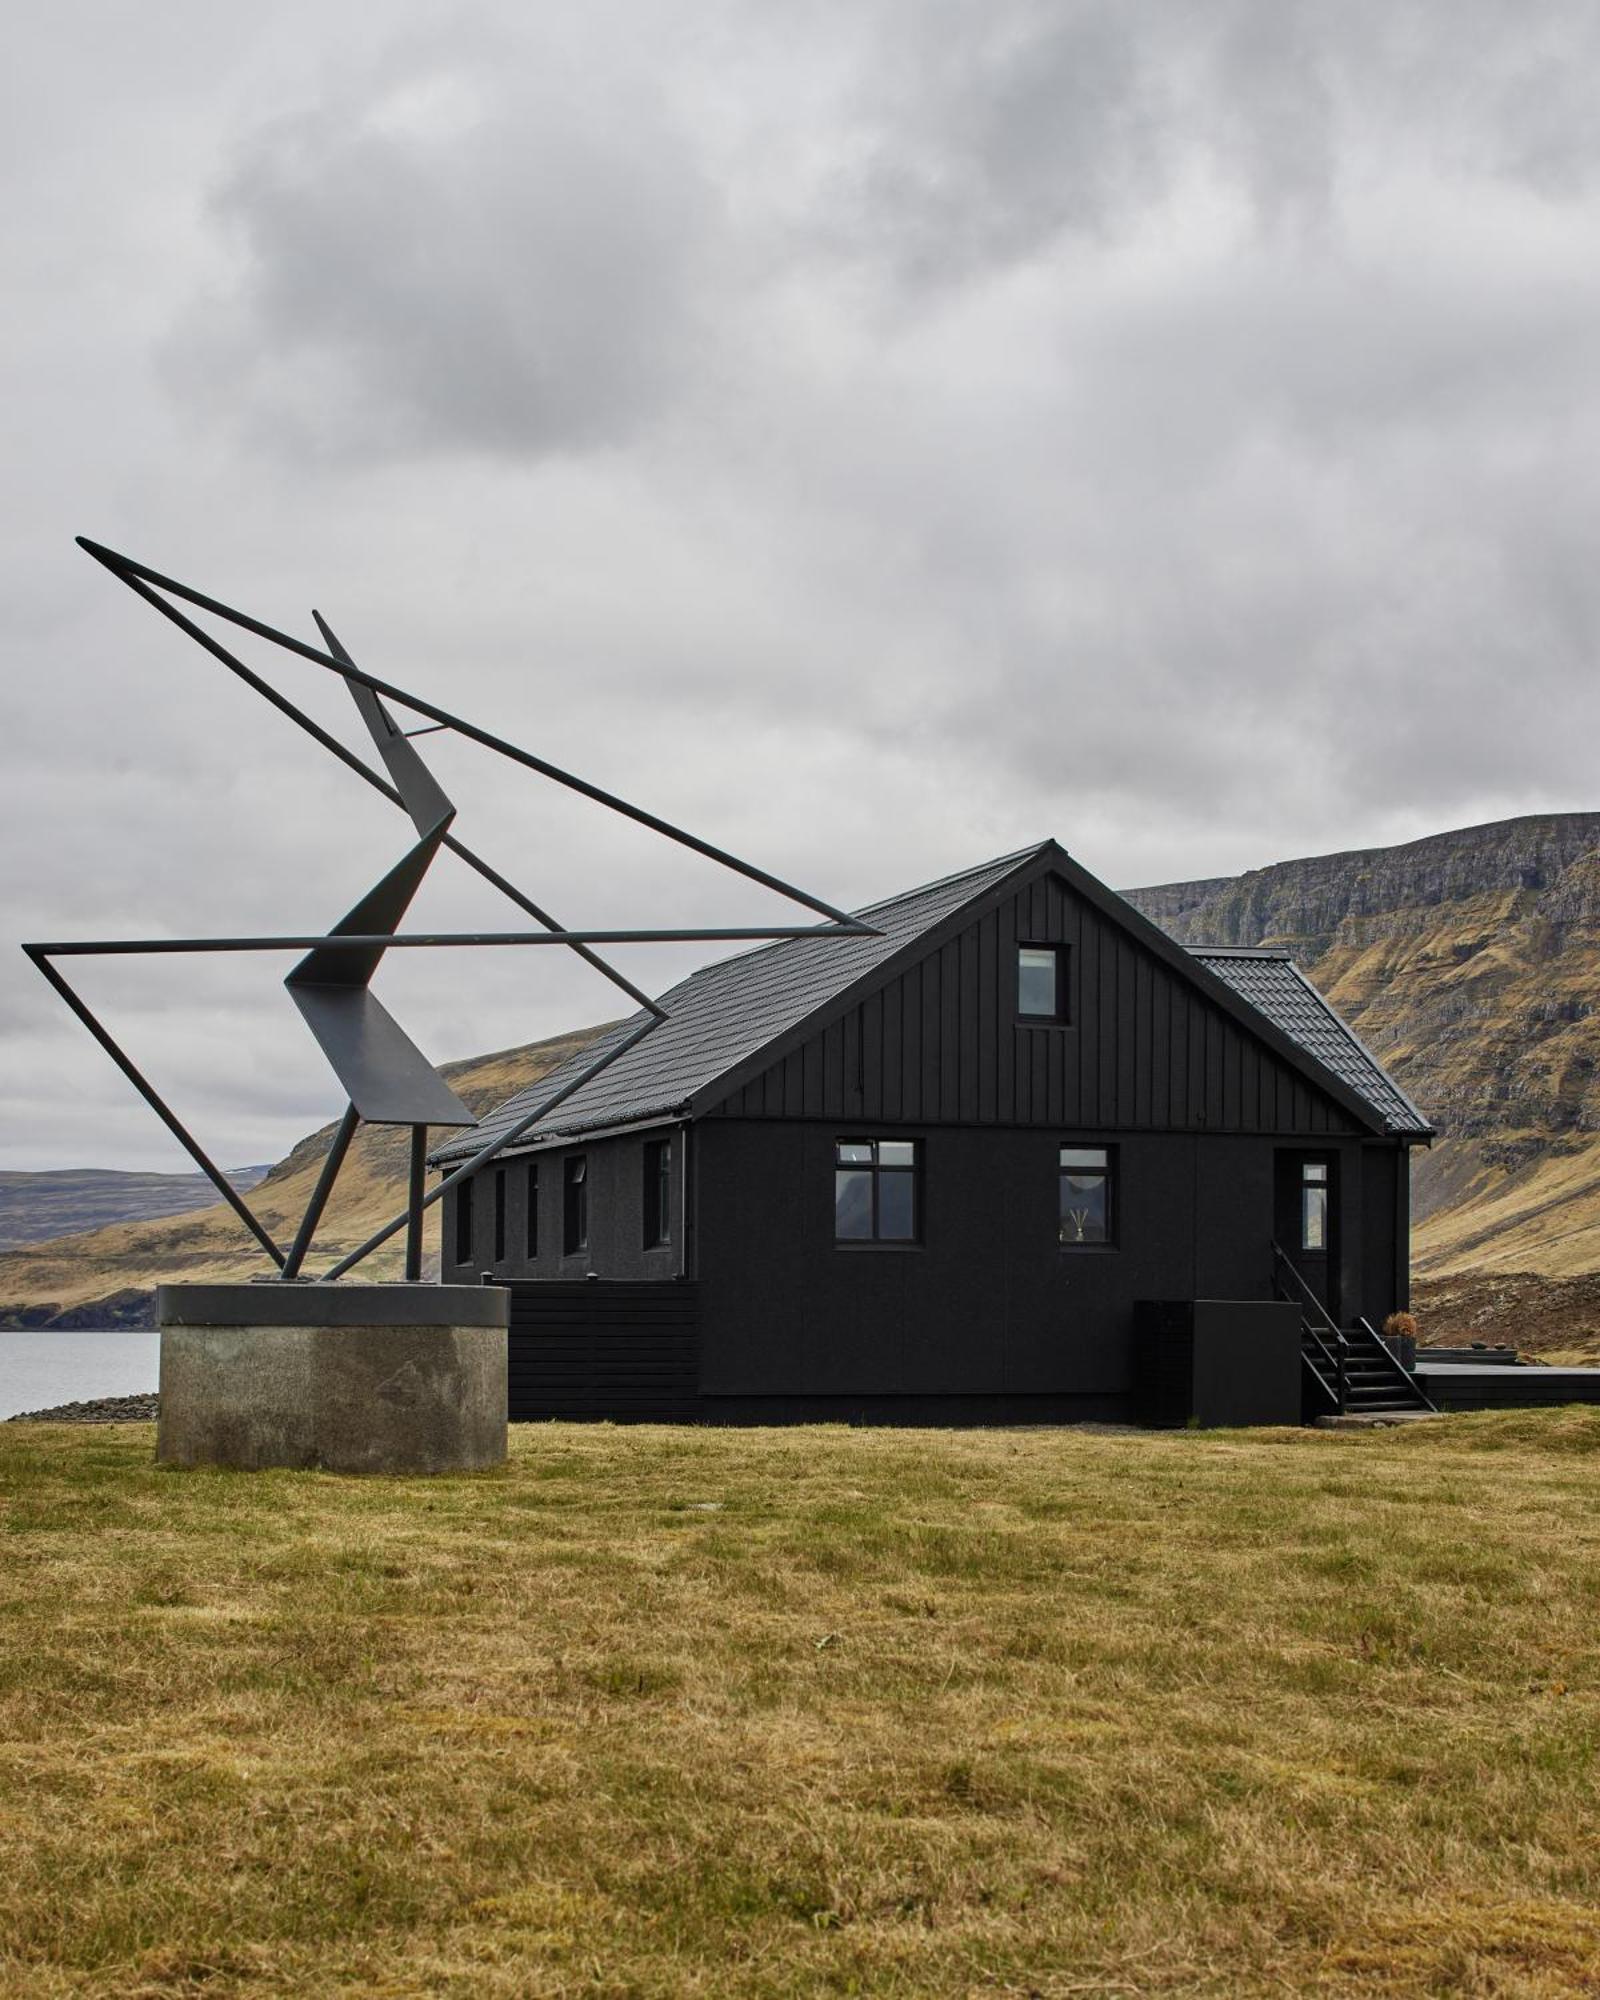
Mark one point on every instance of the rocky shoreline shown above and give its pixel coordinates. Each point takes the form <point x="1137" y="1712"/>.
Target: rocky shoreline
<point x="98" y="1410"/>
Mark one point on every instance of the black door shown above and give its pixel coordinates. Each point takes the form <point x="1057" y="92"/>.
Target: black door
<point x="1305" y="1212"/>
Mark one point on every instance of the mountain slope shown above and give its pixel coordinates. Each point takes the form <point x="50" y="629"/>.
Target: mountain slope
<point x="105" y="1276"/>
<point x="69" y="1200"/>
<point x="1469" y="963"/>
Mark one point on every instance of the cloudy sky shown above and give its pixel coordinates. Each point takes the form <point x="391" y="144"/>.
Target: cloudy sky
<point x="875" y="433"/>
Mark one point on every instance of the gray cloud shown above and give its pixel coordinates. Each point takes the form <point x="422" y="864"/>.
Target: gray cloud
<point x="471" y="244"/>
<point x="874" y="434"/>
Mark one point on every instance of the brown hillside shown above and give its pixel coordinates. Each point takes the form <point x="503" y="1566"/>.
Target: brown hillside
<point x="1469" y="962"/>
<point x="44" y="1279"/>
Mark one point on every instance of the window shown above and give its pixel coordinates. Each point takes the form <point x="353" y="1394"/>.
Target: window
<point x="499" y="1215"/>
<point x="1086" y="1175"/>
<point x="657" y="1193"/>
<point x="575" y="1219"/>
<point x="1042" y="982"/>
<point x="530" y="1215"/>
<point x="464" y="1221"/>
<point x="875" y="1191"/>
<point x="1314" y="1205"/>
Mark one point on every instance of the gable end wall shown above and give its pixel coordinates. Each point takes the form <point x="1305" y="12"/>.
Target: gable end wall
<point x="941" y="1044"/>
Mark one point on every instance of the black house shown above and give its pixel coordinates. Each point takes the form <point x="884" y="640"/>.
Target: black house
<point x="941" y="1174"/>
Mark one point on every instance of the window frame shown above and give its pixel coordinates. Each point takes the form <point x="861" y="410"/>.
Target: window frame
<point x="575" y="1205"/>
<point x="499" y="1215"/>
<point x="656" y="1219"/>
<point x="1111" y="1175"/>
<point x="1316" y="1177"/>
<point x="876" y="1170"/>
<point x="1061" y="1016"/>
<point x="530" y="1213"/>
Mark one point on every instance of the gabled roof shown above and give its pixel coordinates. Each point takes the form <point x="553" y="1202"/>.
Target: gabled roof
<point x="1276" y="987"/>
<point x="727" y="1017"/>
<point x="727" y="1012"/>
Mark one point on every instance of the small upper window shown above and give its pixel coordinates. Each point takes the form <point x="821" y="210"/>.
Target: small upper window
<point x="530" y="1214"/>
<point x="499" y="1215"/>
<point x="1086" y="1194"/>
<point x="1041" y="982"/>
<point x="875" y="1191"/>
<point x="575" y="1216"/>
<point x="657" y="1193"/>
<point x="1314" y="1205"/>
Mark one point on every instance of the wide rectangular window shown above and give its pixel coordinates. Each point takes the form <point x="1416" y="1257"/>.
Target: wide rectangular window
<point x="657" y="1193"/>
<point x="499" y="1215"/>
<point x="530" y="1214"/>
<point x="1042" y="982"/>
<point x="1087" y="1175"/>
<point x="1314" y="1205"/>
<point x="875" y="1191"/>
<point x="575" y="1206"/>
<point x="464" y="1221"/>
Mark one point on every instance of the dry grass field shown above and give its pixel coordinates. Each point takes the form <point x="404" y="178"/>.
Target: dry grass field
<point x="659" y="1712"/>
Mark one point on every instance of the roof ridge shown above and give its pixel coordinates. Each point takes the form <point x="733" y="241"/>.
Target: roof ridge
<point x="1277" y="952"/>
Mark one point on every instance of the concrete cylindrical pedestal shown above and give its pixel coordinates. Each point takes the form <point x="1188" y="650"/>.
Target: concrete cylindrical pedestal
<point x="352" y="1378"/>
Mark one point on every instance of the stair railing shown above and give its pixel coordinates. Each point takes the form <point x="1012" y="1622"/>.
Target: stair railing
<point x="1335" y="1351"/>
<point x="1387" y="1352"/>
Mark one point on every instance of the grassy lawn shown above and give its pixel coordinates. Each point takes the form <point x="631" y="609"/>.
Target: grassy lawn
<point x="666" y="1712"/>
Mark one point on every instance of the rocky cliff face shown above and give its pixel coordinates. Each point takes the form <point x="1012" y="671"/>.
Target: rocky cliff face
<point x="1470" y="963"/>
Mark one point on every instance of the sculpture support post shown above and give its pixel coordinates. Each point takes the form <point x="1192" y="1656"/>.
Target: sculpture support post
<point x="319" y="1194"/>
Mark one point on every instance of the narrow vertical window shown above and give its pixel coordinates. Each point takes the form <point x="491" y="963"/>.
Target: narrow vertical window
<point x="657" y="1193"/>
<point x="1314" y="1205"/>
<point x="575" y="1206"/>
<point x="530" y="1215"/>
<point x="464" y="1220"/>
<point x="1086" y="1176"/>
<point x="875" y="1191"/>
<point x="1041" y="982"/>
<point x="499" y="1215"/>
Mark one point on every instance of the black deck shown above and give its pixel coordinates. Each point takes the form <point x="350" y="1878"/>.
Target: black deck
<point x="1474" y="1386"/>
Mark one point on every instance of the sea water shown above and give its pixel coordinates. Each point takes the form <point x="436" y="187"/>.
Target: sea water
<point x="41" y="1369"/>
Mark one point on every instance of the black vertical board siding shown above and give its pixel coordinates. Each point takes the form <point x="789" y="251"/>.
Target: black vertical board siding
<point x="833" y="1068"/>
<point x="1143" y="1075"/>
<point x="1005" y="1015"/>
<point x="893" y="1081"/>
<point x="1232" y="1113"/>
<point x="933" y="1051"/>
<point x="942" y="1044"/>
<point x="968" y="945"/>
<point x="988" y="1037"/>
<point x="909" y="1015"/>
<point x="850" y="1062"/>
<point x="1130" y="1053"/>
<point x="1160" y="1052"/>
<point x="1178" y="1066"/>
<point x="949" y="1033"/>
<point x="1110" y="1024"/>
<point x="812" y="1068"/>
<point x="1086" y="1010"/>
<point x="1200" y="1039"/>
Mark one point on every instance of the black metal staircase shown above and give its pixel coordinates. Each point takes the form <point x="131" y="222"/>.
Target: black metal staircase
<point x="1345" y="1371"/>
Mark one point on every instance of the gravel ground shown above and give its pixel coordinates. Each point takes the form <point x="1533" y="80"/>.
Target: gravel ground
<point x="100" y="1410"/>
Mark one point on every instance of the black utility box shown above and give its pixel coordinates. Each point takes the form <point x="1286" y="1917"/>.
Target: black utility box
<point x="1217" y="1362"/>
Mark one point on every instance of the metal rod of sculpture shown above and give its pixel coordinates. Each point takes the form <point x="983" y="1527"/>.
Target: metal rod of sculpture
<point x="386" y="1077"/>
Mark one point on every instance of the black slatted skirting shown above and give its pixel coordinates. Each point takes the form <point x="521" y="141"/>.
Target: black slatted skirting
<point x="606" y="1351"/>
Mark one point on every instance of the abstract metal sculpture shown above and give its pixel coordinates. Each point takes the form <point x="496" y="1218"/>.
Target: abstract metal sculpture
<point x="386" y="1078"/>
